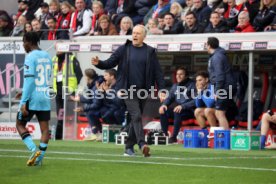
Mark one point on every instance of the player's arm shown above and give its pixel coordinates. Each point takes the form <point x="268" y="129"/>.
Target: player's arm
<point x="29" y="80"/>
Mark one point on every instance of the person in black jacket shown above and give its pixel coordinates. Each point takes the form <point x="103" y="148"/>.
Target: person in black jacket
<point x="138" y="69"/>
<point x="221" y="76"/>
<point x="191" y="24"/>
<point x="216" y="25"/>
<point x="181" y="94"/>
<point x="90" y="103"/>
<point x="6" y="25"/>
<point x="265" y="15"/>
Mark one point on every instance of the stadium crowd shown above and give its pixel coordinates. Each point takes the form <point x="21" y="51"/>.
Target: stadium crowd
<point x="52" y="19"/>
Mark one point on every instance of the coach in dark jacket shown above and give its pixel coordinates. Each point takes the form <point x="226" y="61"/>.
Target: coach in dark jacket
<point x="181" y="95"/>
<point x="221" y="76"/>
<point x="139" y="68"/>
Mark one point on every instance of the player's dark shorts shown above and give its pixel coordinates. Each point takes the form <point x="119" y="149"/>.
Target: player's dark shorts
<point x="40" y="115"/>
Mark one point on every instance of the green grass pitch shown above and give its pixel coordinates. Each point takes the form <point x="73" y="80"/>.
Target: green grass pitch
<point x="97" y="163"/>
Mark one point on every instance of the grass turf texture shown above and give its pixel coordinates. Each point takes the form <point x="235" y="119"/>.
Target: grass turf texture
<point x="97" y="163"/>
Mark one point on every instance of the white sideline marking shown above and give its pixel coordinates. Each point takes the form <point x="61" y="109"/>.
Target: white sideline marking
<point x="152" y="157"/>
<point x="151" y="163"/>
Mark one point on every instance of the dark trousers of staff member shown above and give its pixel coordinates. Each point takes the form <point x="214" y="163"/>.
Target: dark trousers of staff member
<point x="135" y="109"/>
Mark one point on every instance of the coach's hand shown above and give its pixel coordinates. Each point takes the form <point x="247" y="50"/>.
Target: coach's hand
<point x="24" y="111"/>
<point x="95" y="60"/>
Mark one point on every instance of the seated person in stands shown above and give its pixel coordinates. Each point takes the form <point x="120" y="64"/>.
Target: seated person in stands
<point x="151" y="25"/>
<point x="205" y="101"/>
<point x="216" y="25"/>
<point x="98" y="11"/>
<point x="181" y="95"/>
<point x="231" y="13"/>
<point x="244" y="25"/>
<point x="267" y="118"/>
<point x="191" y="24"/>
<point x="162" y="7"/>
<point x="89" y="102"/>
<point x="126" y="26"/>
<point x="172" y="26"/>
<point x="265" y="15"/>
<point x="106" y="27"/>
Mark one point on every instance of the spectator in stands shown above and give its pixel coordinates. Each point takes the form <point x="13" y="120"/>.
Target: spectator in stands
<point x="142" y="7"/>
<point x="267" y="118"/>
<point x="265" y="15"/>
<point x="244" y="25"/>
<point x="216" y="25"/>
<point x="161" y="23"/>
<point x="152" y="24"/>
<point x="6" y="24"/>
<point x="126" y="26"/>
<point x="181" y="94"/>
<point x="231" y="13"/>
<point x="54" y="9"/>
<point x="18" y="30"/>
<point x="44" y="14"/>
<point x="37" y="27"/>
<point x="252" y="6"/>
<point x="221" y="76"/>
<point x="205" y="101"/>
<point x="172" y="26"/>
<point x="27" y="27"/>
<point x="191" y="24"/>
<point x="119" y="9"/>
<point x="202" y="12"/>
<point x="52" y="33"/>
<point x="81" y="19"/>
<point x="106" y="27"/>
<point x="272" y="26"/>
<point x="28" y="8"/>
<point x="189" y="7"/>
<point x="214" y="4"/>
<point x="90" y="103"/>
<point x="162" y="7"/>
<point x="139" y="69"/>
<point x="59" y="72"/>
<point x="98" y="11"/>
<point x="176" y="10"/>
<point x="63" y="22"/>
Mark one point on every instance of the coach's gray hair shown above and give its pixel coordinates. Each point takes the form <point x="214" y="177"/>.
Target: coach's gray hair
<point x="143" y="28"/>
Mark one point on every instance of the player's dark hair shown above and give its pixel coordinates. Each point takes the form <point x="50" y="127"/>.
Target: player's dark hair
<point x="91" y="73"/>
<point x="31" y="37"/>
<point x="201" y="73"/>
<point x="183" y="69"/>
<point x="111" y="72"/>
<point x="213" y="42"/>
